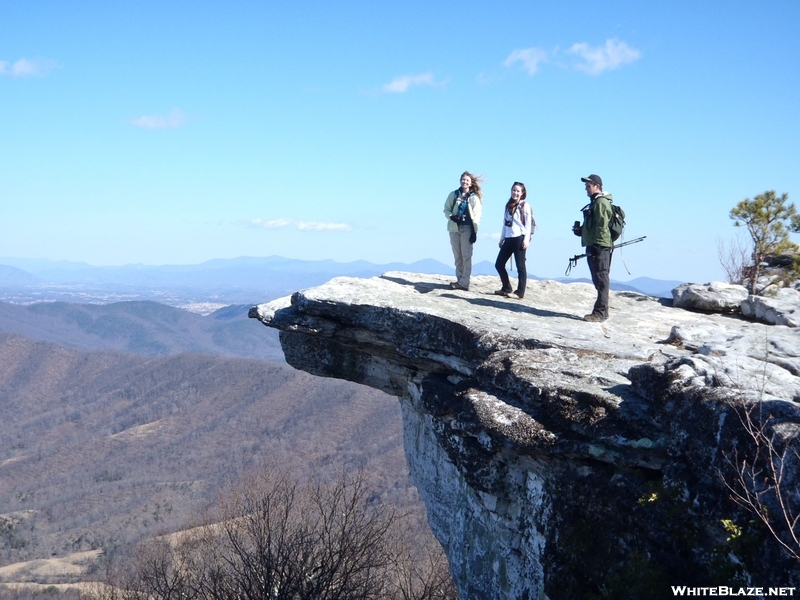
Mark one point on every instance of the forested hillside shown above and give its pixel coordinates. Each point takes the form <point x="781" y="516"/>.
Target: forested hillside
<point x="142" y="327"/>
<point x="100" y="448"/>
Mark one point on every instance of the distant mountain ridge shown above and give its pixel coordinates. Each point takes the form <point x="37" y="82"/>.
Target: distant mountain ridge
<point x="142" y="327"/>
<point x="242" y="280"/>
<point x="64" y="271"/>
<point x="16" y="276"/>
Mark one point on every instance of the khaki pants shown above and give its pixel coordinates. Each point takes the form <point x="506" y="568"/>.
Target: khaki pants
<point x="462" y="253"/>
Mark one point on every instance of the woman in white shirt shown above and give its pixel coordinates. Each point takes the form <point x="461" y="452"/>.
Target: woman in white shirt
<point x="515" y="237"/>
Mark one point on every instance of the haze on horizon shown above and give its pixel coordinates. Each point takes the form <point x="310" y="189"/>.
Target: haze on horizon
<point x="179" y="133"/>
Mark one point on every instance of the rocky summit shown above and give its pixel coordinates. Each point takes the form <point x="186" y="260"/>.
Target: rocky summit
<point x="560" y="458"/>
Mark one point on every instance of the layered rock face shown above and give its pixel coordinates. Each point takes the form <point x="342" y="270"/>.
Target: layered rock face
<point x="564" y="459"/>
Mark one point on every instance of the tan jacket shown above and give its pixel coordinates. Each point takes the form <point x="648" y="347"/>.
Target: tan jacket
<point x="474" y="205"/>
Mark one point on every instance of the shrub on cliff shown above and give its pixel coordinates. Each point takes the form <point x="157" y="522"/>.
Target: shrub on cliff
<point x="766" y="474"/>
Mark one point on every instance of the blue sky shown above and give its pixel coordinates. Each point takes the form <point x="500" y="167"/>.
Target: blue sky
<point x="177" y="132"/>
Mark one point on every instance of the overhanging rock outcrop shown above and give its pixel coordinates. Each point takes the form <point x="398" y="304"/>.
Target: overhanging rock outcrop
<point x="565" y="459"/>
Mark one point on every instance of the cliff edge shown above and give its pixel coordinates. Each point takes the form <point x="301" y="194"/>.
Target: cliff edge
<point x="565" y="459"/>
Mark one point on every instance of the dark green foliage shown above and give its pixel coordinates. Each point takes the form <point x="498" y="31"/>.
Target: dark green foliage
<point x="636" y="546"/>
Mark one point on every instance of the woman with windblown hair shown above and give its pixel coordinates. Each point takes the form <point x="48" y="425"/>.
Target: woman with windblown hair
<point x="463" y="211"/>
<point x="518" y="226"/>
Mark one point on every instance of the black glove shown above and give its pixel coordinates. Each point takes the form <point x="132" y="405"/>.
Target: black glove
<point x="473" y="237"/>
<point x="576" y="228"/>
<point x="454" y="218"/>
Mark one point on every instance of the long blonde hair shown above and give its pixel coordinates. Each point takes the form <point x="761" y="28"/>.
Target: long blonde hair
<point x="475" y="188"/>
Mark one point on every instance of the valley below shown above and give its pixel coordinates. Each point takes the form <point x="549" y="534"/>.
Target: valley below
<point x="102" y="448"/>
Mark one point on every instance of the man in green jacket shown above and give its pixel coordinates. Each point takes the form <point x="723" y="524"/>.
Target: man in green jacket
<point x="596" y="237"/>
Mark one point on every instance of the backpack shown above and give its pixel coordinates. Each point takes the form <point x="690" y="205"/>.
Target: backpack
<point x="521" y="209"/>
<point x="522" y="217"/>
<point x="617" y="224"/>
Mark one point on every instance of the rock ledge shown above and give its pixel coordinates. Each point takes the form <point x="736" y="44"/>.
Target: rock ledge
<point x="558" y="458"/>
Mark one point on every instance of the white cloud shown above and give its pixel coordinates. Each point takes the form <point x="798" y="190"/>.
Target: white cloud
<point x="301" y="225"/>
<point x="598" y="59"/>
<point x="317" y="226"/>
<point x="173" y="120"/>
<point x="274" y="224"/>
<point x="529" y="57"/>
<point x="400" y="85"/>
<point x="25" y="67"/>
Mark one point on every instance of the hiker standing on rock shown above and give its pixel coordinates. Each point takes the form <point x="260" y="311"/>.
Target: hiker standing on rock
<point x="596" y="237"/>
<point x="515" y="237"/>
<point x="463" y="211"/>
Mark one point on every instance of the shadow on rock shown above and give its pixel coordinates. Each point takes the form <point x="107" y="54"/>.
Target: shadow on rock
<point x="514" y="306"/>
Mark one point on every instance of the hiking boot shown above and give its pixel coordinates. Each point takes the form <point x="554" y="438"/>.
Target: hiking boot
<point x="593" y="318"/>
<point x="515" y="295"/>
<point x="502" y="292"/>
<point x="457" y="286"/>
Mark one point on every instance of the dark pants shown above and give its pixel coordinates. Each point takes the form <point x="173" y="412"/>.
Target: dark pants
<point x="599" y="260"/>
<point x="512" y="246"/>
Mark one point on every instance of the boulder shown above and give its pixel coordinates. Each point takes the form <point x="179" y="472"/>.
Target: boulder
<point x="782" y="308"/>
<point x="715" y="296"/>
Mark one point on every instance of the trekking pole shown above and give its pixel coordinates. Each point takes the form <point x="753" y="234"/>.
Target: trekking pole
<point x="574" y="260"/>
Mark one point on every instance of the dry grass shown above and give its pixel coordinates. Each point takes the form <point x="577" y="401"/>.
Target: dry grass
<point x="77" y="563"/>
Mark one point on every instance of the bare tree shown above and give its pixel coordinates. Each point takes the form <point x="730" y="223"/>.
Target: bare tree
<point x="765" y="481"/>
<point x="273" y="537"/>
<point x="734" y="258"/>
<point x="421" y="571"/>
<point x="319" y="541"/>
<point x="159" y="568"/>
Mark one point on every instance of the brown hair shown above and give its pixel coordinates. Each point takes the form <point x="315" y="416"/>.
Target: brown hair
<point x="475" y="188"/>
<point x="510" y="204"/>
